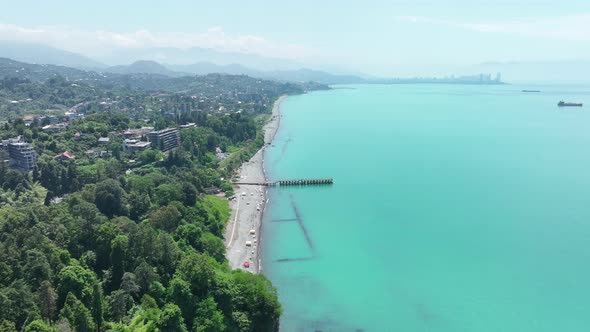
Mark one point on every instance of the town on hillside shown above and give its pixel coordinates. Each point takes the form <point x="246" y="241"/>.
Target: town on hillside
<point x="71" y="115"/>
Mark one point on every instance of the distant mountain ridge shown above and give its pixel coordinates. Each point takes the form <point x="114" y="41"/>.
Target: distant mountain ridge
<point x="144" y="67"/>
<point x="204" y="68"/>
<point x="43" y="72"/>
<point x="42" y="54"/>
<point x="195" y="55"/>
<point x="144" y="81"/>
<point x="202" y="62"/>
<point x="298" y="75"/>
<point x="219" y="62"/>
<point x="153" y="76"/>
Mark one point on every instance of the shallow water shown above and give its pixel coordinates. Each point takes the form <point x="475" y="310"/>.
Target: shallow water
<point x="454" y="208"/>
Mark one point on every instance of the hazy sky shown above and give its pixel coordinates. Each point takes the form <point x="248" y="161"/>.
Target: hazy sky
<point x="370" y="35"/>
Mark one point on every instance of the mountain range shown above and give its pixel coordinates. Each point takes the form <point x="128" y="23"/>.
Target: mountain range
<point x="145" y="67"/>
<point x="176" y="63"/>
<point x="14" y="72"/>
<point x="172" y="62"/>
<point x="43" y="54"/>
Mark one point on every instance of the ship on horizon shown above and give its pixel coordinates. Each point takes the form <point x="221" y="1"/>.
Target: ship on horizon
<point x="565" y="104"/>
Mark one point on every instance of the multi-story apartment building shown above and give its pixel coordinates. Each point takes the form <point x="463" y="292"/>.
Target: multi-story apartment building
<point x="165" y="139"/>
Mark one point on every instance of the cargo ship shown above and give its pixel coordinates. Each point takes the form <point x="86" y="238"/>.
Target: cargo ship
<point x="564" y="104"/>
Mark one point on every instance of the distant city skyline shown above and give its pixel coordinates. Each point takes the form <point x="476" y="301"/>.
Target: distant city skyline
<point x="375" y="37"/>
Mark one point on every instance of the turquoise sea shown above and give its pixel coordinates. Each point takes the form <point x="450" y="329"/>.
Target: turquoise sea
<point x="454" y="208"/>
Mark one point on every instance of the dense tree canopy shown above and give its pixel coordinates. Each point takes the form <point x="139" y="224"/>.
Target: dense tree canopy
<point x="85" y="267"/>
<point x="99" y="245"/>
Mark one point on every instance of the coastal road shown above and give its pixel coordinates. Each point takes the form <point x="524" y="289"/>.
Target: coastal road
<point x="233" y="230"/>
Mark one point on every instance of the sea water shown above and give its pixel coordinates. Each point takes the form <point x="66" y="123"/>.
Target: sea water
<point x="453" y="208"/>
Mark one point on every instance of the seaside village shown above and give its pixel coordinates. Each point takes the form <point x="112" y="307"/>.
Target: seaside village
<point x="20" y="154"/>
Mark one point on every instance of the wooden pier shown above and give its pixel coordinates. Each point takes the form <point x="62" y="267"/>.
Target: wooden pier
<point x="291" y="182"/>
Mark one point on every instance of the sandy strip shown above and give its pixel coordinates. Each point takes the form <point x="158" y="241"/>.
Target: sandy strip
<point x="243" y="229"/>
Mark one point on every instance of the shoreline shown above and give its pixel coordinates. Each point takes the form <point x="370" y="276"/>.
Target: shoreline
<point x="247" y="209"/>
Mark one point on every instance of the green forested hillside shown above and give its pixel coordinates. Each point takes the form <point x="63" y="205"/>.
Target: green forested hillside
<point x="130" y="241"/>
<point x="134" y="252"/>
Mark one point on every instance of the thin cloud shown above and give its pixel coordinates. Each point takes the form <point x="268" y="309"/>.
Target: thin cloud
<point x="571" y="27"/>
<point x="103" y="42"/>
